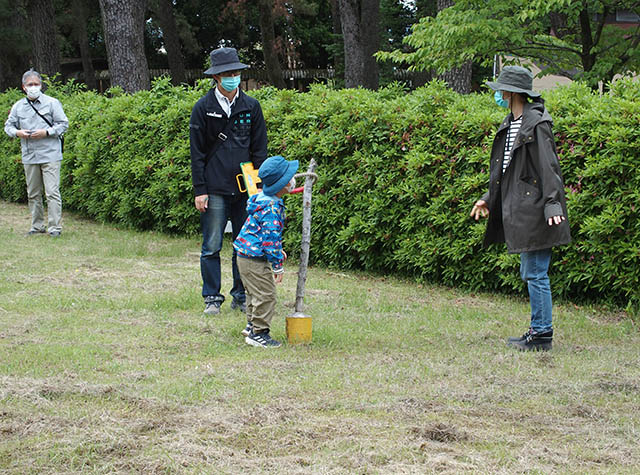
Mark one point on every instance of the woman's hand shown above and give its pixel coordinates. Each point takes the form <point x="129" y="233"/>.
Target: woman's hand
<point x="480" y="209"/>
<point x="555" y="220"/>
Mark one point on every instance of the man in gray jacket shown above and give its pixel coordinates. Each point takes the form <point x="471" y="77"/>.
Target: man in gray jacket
<point x="39" y="122"/>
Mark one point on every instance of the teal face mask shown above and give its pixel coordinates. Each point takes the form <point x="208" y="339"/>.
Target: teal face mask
<point x="230" y="83"/>
<point x="500" y="100"/>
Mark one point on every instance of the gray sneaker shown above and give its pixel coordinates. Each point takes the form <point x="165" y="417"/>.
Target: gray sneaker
<point x="238" y="305"/>
<point x="211" y="307"/>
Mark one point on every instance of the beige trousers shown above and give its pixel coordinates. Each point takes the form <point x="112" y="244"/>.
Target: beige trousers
<point x="260" y="289"/>
<point x="47" y="176"/>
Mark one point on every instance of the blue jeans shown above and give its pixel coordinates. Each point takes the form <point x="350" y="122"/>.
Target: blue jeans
<point x="534" y="268"/>
<point x="220" y="209"/>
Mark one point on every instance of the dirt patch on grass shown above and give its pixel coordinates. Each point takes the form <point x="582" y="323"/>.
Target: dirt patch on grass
<point x="439" y="432"/>
<point x="36" y="390"/>
<point x="617" y="385"/>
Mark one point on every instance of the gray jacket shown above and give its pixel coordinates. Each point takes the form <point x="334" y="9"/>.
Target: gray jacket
<point x="23" y="117"/>
<point x="531" y="189"/>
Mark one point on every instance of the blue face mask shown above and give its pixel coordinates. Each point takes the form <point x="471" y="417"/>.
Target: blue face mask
<point x="500" y="100"/>
<point x="230" y="83"/>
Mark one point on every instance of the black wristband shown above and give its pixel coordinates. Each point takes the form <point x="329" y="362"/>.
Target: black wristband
<point x="47" y="132"/>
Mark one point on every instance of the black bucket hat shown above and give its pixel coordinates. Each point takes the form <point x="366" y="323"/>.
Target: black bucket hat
<point x="515" y="79"/>
<point x="223" y="60"/>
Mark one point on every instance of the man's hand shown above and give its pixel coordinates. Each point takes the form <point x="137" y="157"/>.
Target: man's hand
<point x="555" y="220"/>
<point x="480" y="209"/>
<point x="202" y="202"/>
<point x="278" y="277"/>
<point x="23" y="134"/>
<point x="38" y="134"/>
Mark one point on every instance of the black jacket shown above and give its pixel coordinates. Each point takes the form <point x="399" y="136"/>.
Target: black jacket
<point x="531" y="189"/>
<point x="215" y="163"/>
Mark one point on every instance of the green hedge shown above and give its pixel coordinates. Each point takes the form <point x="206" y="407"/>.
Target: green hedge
<point x="399" y="173"/>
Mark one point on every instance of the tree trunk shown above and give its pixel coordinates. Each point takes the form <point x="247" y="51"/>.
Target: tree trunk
<point x="337" y="30"/>
<point x="458" y="79"/>
<point x="45" y="54"/>
<point x="123" y="24"/>
<point x="15" y="58"/>
<point x="360" y="22"/>
<point x="167" y="20"/>
<point x="267" y="31"/>
<point x="80" y="31"/>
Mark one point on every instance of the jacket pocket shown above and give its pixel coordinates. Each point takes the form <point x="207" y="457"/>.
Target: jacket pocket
<point x="529" y="188"/>
<point x="242" y="134"/>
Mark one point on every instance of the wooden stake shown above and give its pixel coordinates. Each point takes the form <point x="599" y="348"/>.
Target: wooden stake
<point x="310" y="179"/>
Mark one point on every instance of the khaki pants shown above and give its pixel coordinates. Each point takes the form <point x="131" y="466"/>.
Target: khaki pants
<point x="45" y="175"/>
<point x="260" y="289"/>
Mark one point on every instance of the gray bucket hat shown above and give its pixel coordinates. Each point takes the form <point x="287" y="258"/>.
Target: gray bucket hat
<point x="223" y="60"/>
<point x="515" y="79"/>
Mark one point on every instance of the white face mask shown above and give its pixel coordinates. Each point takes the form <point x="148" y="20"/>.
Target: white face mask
<point x="33" y="92"/>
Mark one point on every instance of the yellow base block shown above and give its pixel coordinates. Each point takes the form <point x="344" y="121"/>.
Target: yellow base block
<point x="298" y="329"/>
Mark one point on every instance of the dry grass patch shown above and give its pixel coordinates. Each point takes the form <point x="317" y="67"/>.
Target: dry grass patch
<point x="107" y="365"/>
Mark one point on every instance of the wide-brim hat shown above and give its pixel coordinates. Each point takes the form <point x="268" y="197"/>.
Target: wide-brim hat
<point x="275" y="173"/>
<point x="515" y="79"/>
<point x="223" y="60"/>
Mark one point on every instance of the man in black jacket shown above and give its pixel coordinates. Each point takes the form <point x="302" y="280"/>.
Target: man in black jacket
<point x="525" y="203"/>
<point x="227" y="128"/>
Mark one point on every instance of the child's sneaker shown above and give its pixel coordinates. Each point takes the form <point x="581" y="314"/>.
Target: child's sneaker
<point x="262" y="339"/>
<point x="247" y="329"/>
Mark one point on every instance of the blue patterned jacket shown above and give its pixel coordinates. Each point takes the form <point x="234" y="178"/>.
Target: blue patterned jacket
<point x="261" y="234"/>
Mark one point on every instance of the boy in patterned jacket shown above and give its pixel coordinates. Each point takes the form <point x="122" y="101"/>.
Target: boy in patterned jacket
<point x="259" y="248"/>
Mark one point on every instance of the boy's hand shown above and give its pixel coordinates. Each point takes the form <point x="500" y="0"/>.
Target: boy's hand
<point x="284" y="255"/>
<point x="278" y="277"/>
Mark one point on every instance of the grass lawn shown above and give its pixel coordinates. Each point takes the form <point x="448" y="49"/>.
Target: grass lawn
<point x="107" y="364"/>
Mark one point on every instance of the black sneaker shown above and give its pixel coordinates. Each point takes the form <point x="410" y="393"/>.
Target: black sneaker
<point x="35" y="232"/>
<point x="211" y="307"/>
<point x="534" y="341"/>
<point x="237" y="304"/>
<point x="247" y="329"/>
<point x="262" y="339"/>
<point x="520" y="338"/>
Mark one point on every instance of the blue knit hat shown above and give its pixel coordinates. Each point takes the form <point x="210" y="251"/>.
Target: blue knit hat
<point x="275" y="173"/>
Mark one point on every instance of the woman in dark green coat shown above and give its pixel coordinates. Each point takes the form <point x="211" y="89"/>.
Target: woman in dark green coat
<point x="525" y="202"/>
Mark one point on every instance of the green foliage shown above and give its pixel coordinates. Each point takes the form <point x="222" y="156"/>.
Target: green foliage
<point x="569" y="37"/>
<point x="398" y="175"/>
